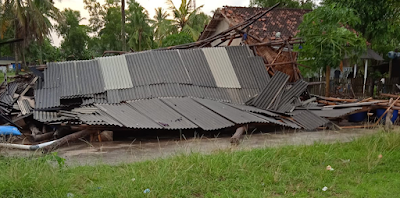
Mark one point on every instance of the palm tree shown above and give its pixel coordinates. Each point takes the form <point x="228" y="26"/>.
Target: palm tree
<point x="30" y="20"/>
<point x="162" y="26"/>
<point x="141" y="33"/>
<point x="195" y="24"/>
<point x="184" y="12"/>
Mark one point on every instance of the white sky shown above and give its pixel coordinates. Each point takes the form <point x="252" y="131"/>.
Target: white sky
<point x="149" y="5"/>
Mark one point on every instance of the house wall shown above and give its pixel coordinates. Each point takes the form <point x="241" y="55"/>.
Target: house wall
<point x="222" y="26"/>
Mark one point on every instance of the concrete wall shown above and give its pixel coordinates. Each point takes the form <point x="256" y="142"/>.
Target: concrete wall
<point x="222" y="26"/>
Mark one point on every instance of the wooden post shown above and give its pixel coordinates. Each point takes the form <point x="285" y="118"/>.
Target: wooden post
<point x="35" y="131"/>
<point x="389" y="115"/>
<point x="238" y="134"/>
<point x="67" y="139"/>
<point x="327" y="80"/>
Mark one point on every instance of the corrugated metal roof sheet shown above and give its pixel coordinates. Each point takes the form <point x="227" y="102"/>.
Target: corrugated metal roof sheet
<point x="290" y="123"/>
<point x="215" y="93"/>
<point x="239" y="59"/>
<point x="48" y="116"/>
<point x="221" y="67"/>
<point x="90" y="77"/>
<point x="268" y="95"/>
<point x="309" y="120"/>
<point x="242" y="51"/>
<point x="128" y="116"/>
<point x="334" y="113"/>
<point x="135" y="93"/>
<point x="97" y="98"/>
<point x="295" y="91"/>
<point x="235" y="96"/>
<point x="162" y="114"/>
<point x="113" y="96"/>
<point x="24" y="106"/>
<point x="47" y="98"/>
<point x="99" y="118"/>
<point x="233" y="114"/>
<point x="260" y="73"/>
<point x="253" y="109"/>
<point x="197" y="67"/>
<point x="165" y="90"/>
<point x="69" y="79"/>
<point x="115" y="72"/>
<point x="198" y="114"/>
<point x="143" y="69"/>
<point x="171" y="65"/>
<point x="52" y="76"/>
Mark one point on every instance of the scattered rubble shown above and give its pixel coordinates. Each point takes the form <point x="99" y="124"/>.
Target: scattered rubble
<point x="186" y="87"/>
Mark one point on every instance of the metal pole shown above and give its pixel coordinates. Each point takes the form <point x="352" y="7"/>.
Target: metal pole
<point x="365" y="75"/>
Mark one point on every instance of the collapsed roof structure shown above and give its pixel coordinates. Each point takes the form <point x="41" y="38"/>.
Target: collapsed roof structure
<point x="203" y="88"/>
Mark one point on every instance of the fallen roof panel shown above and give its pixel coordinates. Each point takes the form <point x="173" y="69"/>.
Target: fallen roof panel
<point x="165" y="90"/>
<point x="253" y="109"/>
<point x="335" y="113"/>
<point x="143" y="69"/>
<point x="269" y="93"/>
<point x="259" y="71"/>
<point x="162" y="114"/>
<point x="295" y="91"/>
<point x="198" y="114"/>
<point x="239" y="58"/>
<point x="69" y="79"/>
<point x="171" y="66"/>
<point x="221" y="67"/>
<point x="52" y="76"/>
<point x="231" y="113"/>
<point x="128" y="116"/>
<point x="47" y="116"/>
<point x="197" y="67"/>
<point x="47" y="98"/>
<point x="309" y="120"/>
<point x="90" y="77"/>
<point x="115" y="72"/>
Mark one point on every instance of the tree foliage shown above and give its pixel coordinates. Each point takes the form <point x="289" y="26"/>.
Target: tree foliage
<point x="177" y="39"/>
<point x="162" y="26"/>
<point x="138" y="27"/>
<point x="189" y="19"/>
<point x="75" y="36"/>
<point x="304" y="4"/>
<point x="328" y="40"/>
<point x="380" y="19"/>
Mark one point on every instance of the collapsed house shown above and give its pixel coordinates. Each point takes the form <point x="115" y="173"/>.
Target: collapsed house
<point x="203" y="89"/>
<point x="188" y="87"/>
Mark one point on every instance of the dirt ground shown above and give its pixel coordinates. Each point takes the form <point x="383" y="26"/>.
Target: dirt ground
<point x="117" y="152"/>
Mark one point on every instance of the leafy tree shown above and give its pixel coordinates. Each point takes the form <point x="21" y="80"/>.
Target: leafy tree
<point x="304" y="4"/>
<point x="30" y="20"/>
<point x="75" y="35"/>
<point x="195" y="24"/>
<point x="328" y="39"/>
<point x="95" y="12"/>
<point x="110" y="34"/>
<point x="177" y="39"/>
<point x="162" y="26"/>
<point x="138" y="28"/>
<point x="380" y="20"/>
<point x="36" y="53"/>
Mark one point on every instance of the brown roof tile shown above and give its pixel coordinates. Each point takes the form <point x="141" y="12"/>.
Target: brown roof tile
<point x="284" y="20"/>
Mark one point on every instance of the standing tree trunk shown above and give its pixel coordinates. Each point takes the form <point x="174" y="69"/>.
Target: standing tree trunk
<point x="123" y="25"/>
<point x="16" y="47"/>
<point x="327" y="79"/>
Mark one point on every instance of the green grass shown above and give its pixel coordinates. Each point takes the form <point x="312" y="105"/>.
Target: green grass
<point x="290" y="171"/>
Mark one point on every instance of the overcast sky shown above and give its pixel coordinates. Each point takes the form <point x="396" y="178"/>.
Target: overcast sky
<point x="149" y="5"/>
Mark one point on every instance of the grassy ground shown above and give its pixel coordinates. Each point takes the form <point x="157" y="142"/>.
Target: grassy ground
<point x="290" y="171"/>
